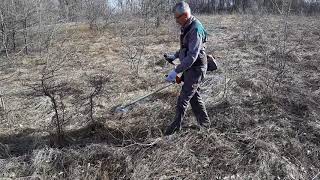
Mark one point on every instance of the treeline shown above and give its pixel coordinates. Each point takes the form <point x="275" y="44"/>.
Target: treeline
<point x="308" y="7"/>
<point x="29" y="25"/>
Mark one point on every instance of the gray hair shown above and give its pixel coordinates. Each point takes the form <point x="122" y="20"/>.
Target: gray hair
<point x="182" y="7"/>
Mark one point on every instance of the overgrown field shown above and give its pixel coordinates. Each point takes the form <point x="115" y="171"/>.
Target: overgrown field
<point x="264" y="104"/>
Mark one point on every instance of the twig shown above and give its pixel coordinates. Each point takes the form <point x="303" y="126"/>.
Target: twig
<point x="145" y="145"/>
<point x="10" y="76"/>
<point x="2" y="102"/>
<point x="316" y="176"/>
<point x="276" y="5"/>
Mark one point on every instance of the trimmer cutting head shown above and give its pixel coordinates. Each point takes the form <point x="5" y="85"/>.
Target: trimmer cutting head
<point x="121" y="109"/>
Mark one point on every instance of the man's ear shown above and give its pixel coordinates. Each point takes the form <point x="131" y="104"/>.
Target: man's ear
<point x="188" y="15"/>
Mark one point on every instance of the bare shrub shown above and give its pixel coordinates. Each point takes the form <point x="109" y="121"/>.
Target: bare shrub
<point x="274" y="48"/>
<point x="133" y="46"/>
<point x="53" y="86"/>
<point x="279" y="54"/>
<point x="252" y="32"/>
<point x="97" y="84"/>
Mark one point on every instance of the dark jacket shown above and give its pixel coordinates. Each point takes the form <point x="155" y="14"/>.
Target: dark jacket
<point x="192" y="45"/>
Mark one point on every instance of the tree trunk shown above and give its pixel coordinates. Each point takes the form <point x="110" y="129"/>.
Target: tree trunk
<point x="14" y="45"/>
<point x="25" y="36"/>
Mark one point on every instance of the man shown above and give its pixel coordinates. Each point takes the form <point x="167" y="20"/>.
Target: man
<point x="193" y="67"/>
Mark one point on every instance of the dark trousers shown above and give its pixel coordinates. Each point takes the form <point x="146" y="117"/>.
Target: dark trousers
<point x="190" y="92"/>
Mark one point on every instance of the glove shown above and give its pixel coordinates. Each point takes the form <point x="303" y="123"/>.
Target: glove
<point x="169" y="57"/>
<point x="171" y="76"/>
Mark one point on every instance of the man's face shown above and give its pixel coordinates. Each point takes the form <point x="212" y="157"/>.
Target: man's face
<point x="181" y="19"/>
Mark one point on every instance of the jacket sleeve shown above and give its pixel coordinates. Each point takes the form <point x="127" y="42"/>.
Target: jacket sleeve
<point x="194" y="47"/>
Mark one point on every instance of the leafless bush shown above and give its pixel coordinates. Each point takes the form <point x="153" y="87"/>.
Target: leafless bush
<point x="53" y="92"/>
<point x="52" y="85"/>
<point x="133" y="46"/>
<point x="133" y="54"/>
<point x="97" y="84"/>
<point x="252" y="32"/>
<point x="279" y="55"/>
<point x="276" y="50"/>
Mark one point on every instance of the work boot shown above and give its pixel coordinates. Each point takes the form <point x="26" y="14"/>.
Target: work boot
<point x="172" y="129"/>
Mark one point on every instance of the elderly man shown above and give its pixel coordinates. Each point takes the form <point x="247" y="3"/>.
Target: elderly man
<point x="193" y="67"/>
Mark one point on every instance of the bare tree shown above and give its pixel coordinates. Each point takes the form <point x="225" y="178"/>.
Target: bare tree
<point x="70" y="10"/>
<point x="95" y="10"/>
<point x="154" y="10"/>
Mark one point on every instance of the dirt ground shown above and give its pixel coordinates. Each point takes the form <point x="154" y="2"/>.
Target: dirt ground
<point x="264" y="104"/>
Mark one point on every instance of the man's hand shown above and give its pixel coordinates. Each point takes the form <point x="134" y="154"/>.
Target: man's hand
<point x="169" y="57"/>
<point x="171" y="76"/>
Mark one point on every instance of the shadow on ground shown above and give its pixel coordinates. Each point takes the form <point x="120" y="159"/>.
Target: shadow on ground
<point x="28" y="140"/>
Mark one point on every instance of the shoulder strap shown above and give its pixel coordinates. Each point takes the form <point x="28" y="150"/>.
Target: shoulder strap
<point x="186" y="30"/>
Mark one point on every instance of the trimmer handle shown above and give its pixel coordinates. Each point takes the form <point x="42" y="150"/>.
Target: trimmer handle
<point x="178" y="79"/>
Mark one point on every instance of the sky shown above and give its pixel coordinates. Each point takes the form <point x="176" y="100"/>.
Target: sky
<point x="112" y="2"/>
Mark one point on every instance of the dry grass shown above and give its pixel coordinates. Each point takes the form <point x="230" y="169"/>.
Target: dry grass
<point x="265" y="120"/>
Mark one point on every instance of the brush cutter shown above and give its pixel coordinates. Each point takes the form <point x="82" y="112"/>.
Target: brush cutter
<point x="124" y="108"/>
